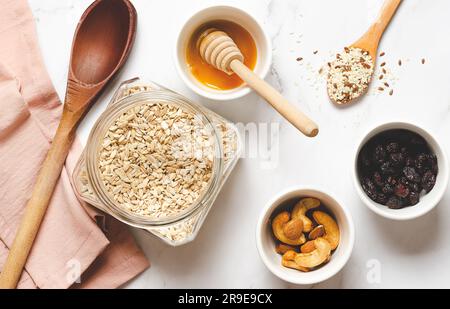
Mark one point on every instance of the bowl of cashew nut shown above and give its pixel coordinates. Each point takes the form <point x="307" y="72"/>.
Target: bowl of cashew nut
<point x="304" y="236"/>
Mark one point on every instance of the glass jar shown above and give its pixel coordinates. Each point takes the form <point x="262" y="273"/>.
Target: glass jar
<point x="182" y="227"/>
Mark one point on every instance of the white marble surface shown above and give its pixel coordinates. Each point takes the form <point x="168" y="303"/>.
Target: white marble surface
<point x="411" y="254"/>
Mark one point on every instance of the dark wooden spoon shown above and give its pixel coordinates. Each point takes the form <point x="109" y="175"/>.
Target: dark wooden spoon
<point x="103" y="40"/>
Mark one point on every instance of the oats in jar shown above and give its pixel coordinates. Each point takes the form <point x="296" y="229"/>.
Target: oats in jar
<point x="349" y="75"/>
<point x="156" y="160"/>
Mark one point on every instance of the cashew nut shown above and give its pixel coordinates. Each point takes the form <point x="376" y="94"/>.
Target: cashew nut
<point x="332" y="234"/>
<point x="293" y="229"/>
<point x="288" y="231"/>
<point x="316" y="258"/>
<point x="317" y="232"/>
<point x="302" y="208"/>
<point x="289" y="261"/>
<point x="282" y="249"/>
<point x="308" y="247"/>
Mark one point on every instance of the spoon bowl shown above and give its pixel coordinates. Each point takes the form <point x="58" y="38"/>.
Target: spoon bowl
<point x="102" y="43"/>
<point x="96" y="54"/>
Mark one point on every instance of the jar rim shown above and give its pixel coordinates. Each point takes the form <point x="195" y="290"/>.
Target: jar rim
<point x="96" y="137"/>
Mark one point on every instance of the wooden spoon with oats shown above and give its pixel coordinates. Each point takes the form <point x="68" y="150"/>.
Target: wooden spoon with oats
<point x="351" y="73"/>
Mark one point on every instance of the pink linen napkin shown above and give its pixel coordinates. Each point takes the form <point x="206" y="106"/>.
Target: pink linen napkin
<point x="69" y="243"/>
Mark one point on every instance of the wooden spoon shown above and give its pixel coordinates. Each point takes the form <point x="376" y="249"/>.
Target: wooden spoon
<point x="371" y="39"/>
<point x="102" y="43"/>
<point x="370" y="42"/>
<point x="219" y="50"/>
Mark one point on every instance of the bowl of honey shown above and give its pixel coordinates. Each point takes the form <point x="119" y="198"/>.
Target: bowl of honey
<point x="204" y="79"/>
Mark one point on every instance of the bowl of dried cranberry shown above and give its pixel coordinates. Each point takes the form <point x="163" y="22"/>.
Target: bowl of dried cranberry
<point x="400" y="171"/>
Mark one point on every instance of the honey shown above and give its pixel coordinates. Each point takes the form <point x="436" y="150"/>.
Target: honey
<point x="207" y="74"/>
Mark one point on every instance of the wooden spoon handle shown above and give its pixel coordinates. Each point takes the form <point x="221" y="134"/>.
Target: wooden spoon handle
<point x="379" y="26"/>
<point x="286" y="109"/>
<point x="37" y="205"/>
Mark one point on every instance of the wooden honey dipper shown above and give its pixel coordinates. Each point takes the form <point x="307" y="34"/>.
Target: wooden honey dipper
<point x="218" y="49"/>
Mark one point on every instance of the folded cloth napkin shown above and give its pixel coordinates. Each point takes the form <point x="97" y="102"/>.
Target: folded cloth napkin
<point x="71" y="250"/>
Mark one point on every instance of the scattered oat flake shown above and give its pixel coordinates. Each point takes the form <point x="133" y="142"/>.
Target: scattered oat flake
<point x="381" y="89"/>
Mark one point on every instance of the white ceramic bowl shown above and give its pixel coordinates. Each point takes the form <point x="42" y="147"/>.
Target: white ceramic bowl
<point x="233" y="14"/>
<point x="266" y="242"/>
<point x="429" y="201"/>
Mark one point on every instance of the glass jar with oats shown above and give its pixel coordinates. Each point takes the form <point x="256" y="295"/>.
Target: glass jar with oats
<point x="157" y="161"/>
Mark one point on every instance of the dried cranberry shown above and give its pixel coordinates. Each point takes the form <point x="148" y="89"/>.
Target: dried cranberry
<point x="369" y="184"/>
<point x="411" y="174"/>
<point x="388" y="189"/>
<point x="379" y="154"/>
<point x="428" y="181"/>
<point x="414" y="198"/>
<point x="394" y="203"/>
<point x="404" y="181"/>
<point x="370" y="189"/>
<point x="381" y="199"/>
<point x="387" y="169"/>
<point x="421" y="162"/>
<point x="378" y="179"/>
<point x="397" y="159"/>
<point x="393" y="147"/>
<point x="391" y="180"/>
<point x="414" y="187"/>
<point x="410" y="161"/>
<point x="401" y="190"/>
